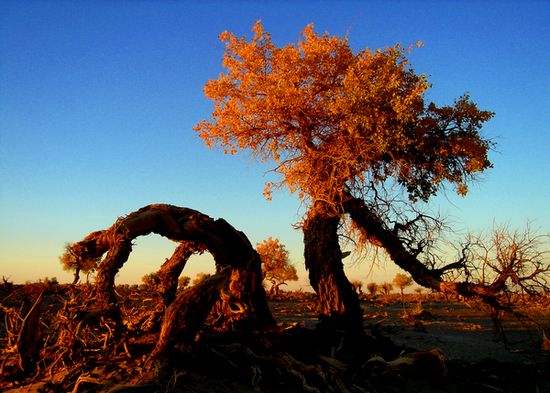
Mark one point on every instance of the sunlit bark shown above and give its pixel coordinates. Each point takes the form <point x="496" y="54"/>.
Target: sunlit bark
<point x="188" y="311"/>
<point x="171" y="270"/>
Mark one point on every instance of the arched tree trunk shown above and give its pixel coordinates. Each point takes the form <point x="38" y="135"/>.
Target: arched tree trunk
<point x="228" y="246"/>
<point x="338" y="303"/>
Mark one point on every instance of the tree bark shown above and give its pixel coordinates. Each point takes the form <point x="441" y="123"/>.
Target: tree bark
<point x="338" y="303"/>
<point x="185" y="315"/>
<point x="171" y="270"/>
<point x="76" y="275"/>
<point x="228" y="246"/>
<point x="168" y="276"/>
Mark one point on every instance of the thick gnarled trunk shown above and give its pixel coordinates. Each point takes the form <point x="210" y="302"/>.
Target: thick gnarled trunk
<point x="195" y="232"/>
<point x="338" y="303"/>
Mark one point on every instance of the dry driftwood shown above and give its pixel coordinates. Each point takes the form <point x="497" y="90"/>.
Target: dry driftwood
<point x="23" y="336"/>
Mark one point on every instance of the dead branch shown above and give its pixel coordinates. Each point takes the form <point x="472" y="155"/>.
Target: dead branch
<point x="168" y="275"/>
<point x="172" y="268"/>
<point x="408" y="261"/>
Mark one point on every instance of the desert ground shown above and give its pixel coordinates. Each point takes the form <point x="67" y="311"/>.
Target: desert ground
<point x="295" y="357"/>
<point x="476" y="360"/>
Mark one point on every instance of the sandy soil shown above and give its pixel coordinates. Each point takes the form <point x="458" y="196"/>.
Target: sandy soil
<point x="463" y="331"/>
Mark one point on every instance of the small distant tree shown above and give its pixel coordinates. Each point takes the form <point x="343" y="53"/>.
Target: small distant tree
<point x="49" y="282"/>
<point x="200" y="277"/>
<point x="151" y="280"/>
<point x="372" y="287"/>
<point x="183" y="282"/>
<point x="386" y="287"/>
<point x="69" y="261"/>
<point x="276" y="267"/>
<point x="402" y="281"/>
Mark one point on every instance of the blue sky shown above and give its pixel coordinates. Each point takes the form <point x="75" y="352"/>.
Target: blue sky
<point x="98" y="100"/>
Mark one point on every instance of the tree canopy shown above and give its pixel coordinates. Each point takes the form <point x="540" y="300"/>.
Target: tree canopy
<point x="402" y="281"/>
<point x="340" y="127"/>
<point x="335" y="121"/>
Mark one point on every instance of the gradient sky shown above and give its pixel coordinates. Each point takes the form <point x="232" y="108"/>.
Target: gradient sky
<point x="98" y="100"/>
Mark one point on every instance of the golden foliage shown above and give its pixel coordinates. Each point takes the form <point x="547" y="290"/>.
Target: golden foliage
<point x="71" y="260"/>
<point x="276" y="267"/>
<point x="402" y="281"/>
<point x="332" y="119"/>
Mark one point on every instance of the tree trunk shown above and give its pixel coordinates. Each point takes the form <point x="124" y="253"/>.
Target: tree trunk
<point x="76" y="275"/>
<point x="170" y="270"/>
<point x="105" y="280"/>
<point x="338" y="303"/>
<point x="228" y="246"/>
<point x="168" y="275"/>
